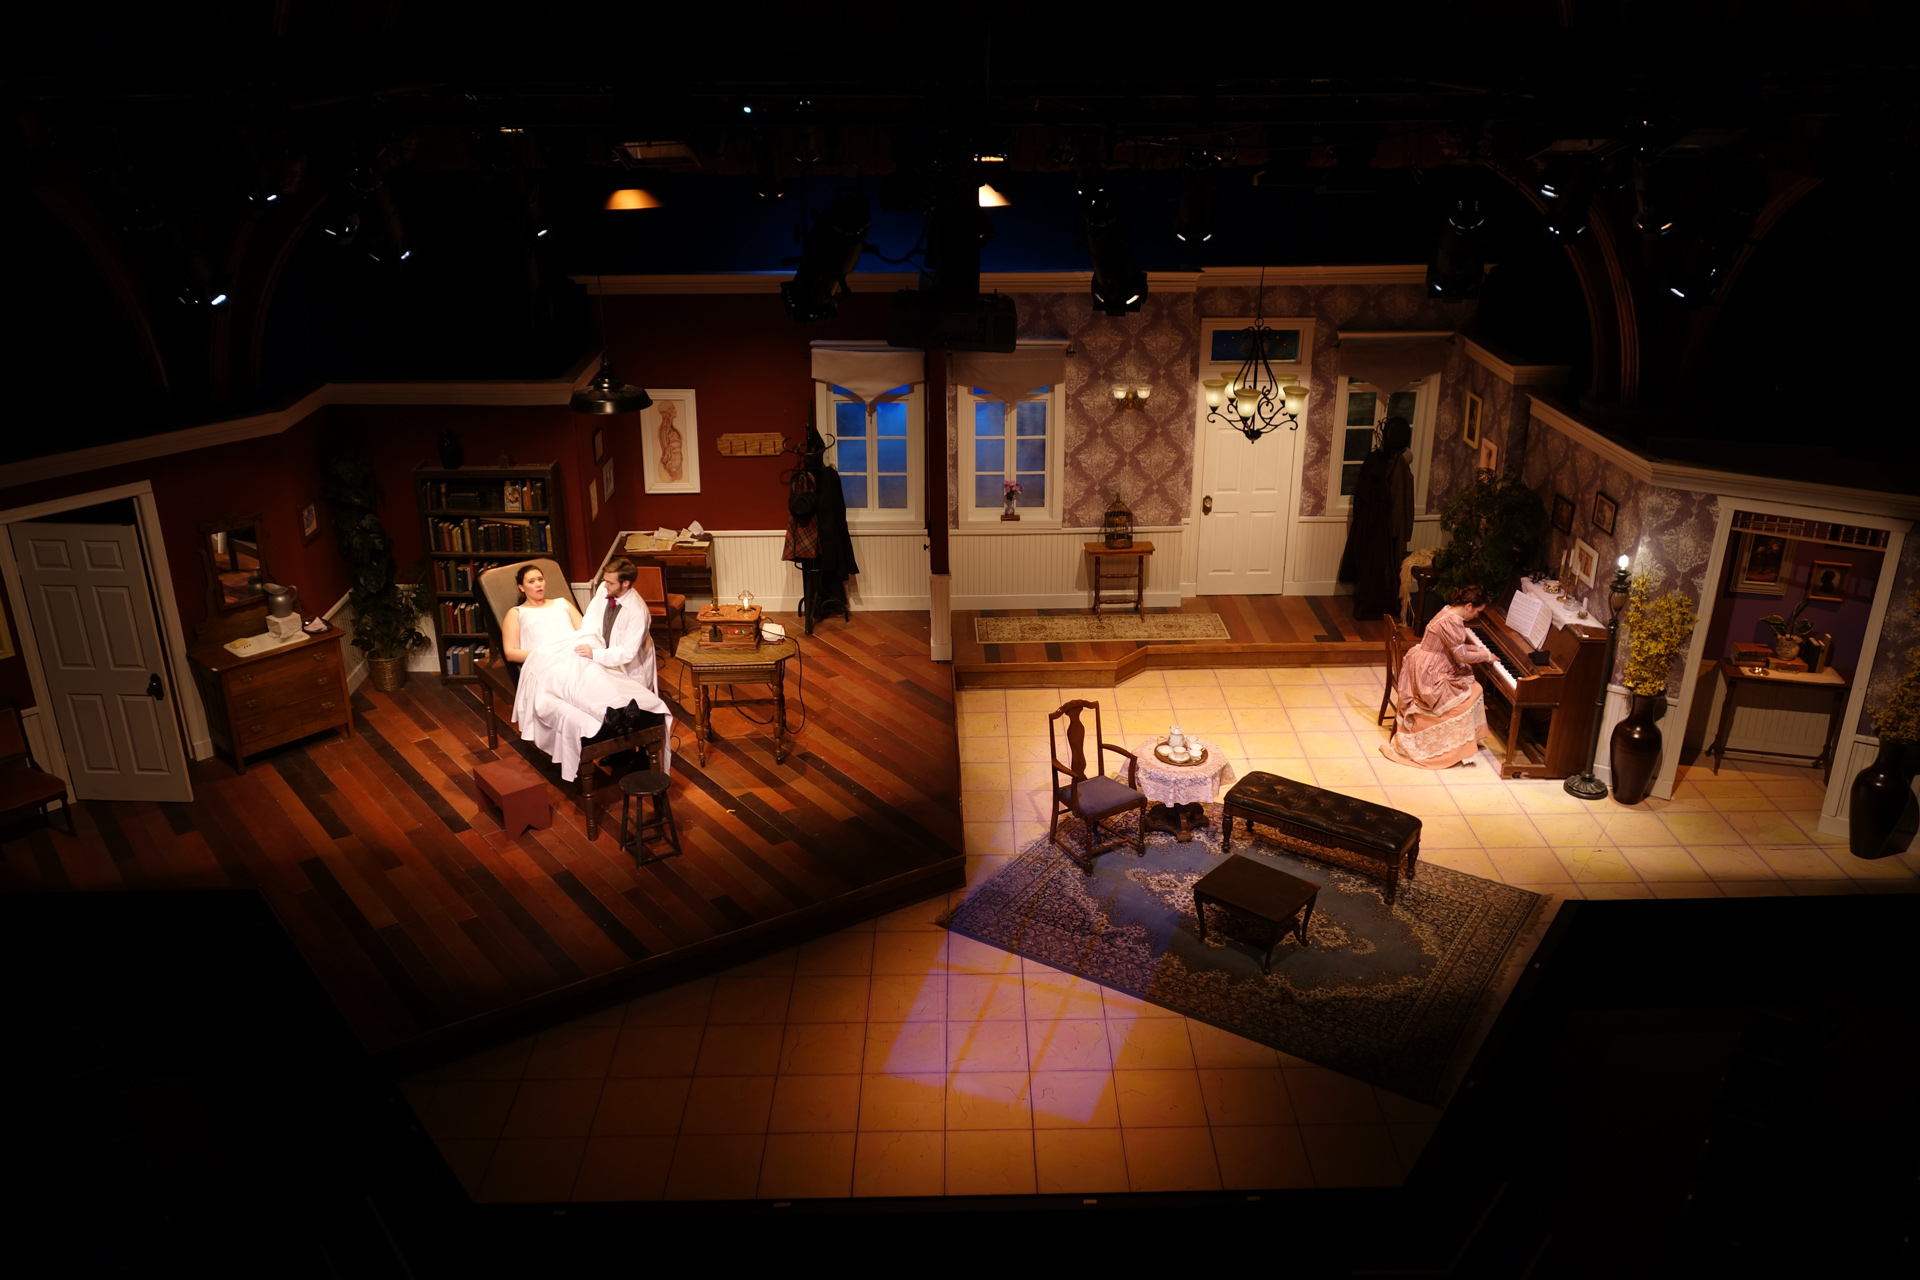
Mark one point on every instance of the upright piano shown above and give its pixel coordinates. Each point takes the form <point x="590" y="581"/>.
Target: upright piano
<point x="1549" y="707"/>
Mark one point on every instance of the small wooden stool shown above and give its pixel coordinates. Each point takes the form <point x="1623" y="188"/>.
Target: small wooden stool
<point x="635" y="787"/>
<point x="517" y="792"/>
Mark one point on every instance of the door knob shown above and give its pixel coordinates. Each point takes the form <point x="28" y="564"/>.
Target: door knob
<point x="1206" y="505"/>
<point x="156" y="690"/>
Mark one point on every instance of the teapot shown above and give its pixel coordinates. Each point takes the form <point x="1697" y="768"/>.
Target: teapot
<point x="280" y="600"/>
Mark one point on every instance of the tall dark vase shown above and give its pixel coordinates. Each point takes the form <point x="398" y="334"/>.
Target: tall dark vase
<point x="1634" y="749"/>
<point x="1879" y="798"/>
<point x="451" y="454"/>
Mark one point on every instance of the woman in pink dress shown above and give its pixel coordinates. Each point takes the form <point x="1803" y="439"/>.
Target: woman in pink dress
<point x="1440" y="712"/>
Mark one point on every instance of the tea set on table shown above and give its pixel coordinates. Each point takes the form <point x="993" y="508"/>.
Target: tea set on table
<point x="1178" y="820"/>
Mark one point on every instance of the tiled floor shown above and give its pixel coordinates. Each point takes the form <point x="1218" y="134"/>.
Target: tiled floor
<point x="894" y="1059"/>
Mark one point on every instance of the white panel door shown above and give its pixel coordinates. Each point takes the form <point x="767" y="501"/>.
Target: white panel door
<point x="93" y="621"/>
<point x="1243" y="510"/>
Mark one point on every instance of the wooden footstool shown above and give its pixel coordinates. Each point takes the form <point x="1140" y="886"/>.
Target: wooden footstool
<point x="1247" y="887"/>
<point x="517" y="792"/>
<point x="1386" y="838"/>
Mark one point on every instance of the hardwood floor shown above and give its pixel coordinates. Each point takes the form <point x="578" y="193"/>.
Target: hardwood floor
<point x="1265" y="631"/>
<point x="426" y="923"/>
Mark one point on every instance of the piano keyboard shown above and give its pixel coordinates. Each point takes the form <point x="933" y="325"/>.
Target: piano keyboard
<point x="1502" y="667"/>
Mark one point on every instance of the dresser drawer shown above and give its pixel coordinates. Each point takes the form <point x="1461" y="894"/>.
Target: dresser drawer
<point x="258" y="699"/>
<point x="311" y="668"/>
<point x="278" y="722"/>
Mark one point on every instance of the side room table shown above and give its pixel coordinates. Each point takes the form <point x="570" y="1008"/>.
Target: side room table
<point x="1120" y="565"/>
<point x="1832" y="680"/>
<point x="713" y="668"/>
<point x="1179" y="791"/>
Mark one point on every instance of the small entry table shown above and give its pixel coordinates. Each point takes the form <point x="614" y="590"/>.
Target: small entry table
<point x="1179" y="791"/>
<point x="1246" y="887"/>
<point x="1118" y="565"/>
<point x="1832" y="680"/>
<point x="712" y="668"/>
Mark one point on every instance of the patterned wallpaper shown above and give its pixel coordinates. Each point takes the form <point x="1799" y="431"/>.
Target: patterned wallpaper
<point x="1147" y="455"/>
<point x="1503" y="419"/>
<point x="1898" y="634"/>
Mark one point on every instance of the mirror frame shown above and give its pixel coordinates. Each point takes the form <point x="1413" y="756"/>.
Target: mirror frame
<point x="217" y="606"/>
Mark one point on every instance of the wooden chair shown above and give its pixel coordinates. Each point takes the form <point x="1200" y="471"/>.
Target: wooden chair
<point x="1093" y="799"/>
<point x="23" y="784"/>
<point x="671" y="608"/>
<point x="1399" y="640"/>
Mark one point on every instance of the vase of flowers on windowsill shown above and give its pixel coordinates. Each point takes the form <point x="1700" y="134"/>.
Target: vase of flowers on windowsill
<point x="1009" y="494"/>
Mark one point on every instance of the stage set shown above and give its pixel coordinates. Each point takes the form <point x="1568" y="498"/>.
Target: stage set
<point x="861" y="700"/>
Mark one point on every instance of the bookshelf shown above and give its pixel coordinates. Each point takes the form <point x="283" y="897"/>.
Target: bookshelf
<point x="471" y="520"/>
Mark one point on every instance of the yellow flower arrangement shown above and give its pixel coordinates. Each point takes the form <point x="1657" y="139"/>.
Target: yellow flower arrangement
<point x="1657" y="630"/>
<point x="1898" y="718"/>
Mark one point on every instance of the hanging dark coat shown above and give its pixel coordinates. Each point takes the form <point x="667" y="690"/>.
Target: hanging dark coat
<point x="1380" y="524"/>
<point x="835" y="563"/>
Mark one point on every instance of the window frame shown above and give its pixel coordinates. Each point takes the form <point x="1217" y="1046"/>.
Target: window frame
<point x="913" y="515"/>
<point x="1424" y="408"/>
<point x="1048" y="516"/>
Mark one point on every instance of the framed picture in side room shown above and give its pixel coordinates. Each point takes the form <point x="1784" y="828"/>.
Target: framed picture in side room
<point x="599" y="444"/>
<point x="670" y="443"/>
<point x="1605" y="511"/>
<point x="1470" y="421"/>
<point x="309" y="523"/>
<point x="1563" y="513"/>
<point x="1827" y="580"/>
<point x="1585" y="560"/>
<point x="1762" y="563"/>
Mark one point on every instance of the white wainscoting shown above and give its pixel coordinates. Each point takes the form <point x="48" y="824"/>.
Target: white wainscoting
<point x="1785" y="718"/>
<point x="1313" y="559"/>
<point x="893" y="569"/>
<point x="1048" y="570"/>
<point x="1853" y="753"/>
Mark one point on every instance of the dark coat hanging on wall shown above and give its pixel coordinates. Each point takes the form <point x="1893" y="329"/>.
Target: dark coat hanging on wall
<point x="1380" y="524"/>
<point x="818" y="540"/>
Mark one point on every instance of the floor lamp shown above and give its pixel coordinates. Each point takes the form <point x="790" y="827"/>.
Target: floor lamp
<point x="1584" y="784"/>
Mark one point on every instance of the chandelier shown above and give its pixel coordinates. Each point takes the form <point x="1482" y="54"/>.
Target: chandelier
<point x="1252" y="401"/>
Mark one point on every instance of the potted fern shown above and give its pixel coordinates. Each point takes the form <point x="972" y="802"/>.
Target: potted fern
<point x="1788" y="631"/>
<point x="1493" y="528"/>
<point x="1657" y="630"/>
<point x="1880" y="792"/>
<point x="386" y="612"/>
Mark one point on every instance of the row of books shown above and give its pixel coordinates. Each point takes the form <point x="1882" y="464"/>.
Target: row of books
<point x="510" y="495"/>
<point x="453" y="575"/>
<point x="465" y="659"/>
<point x="490" y="535"/>
<point x="461" y="617"/>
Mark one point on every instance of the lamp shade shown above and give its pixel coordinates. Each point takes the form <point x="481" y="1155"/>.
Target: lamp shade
<point x="607" y="394"/>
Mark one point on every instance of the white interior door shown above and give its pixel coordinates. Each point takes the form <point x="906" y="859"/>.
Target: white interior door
<point x="1243" y="510"/>
<point x="99" y="642"/>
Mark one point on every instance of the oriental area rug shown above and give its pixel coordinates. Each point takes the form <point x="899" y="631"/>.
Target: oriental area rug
<point x="1069" y="629"/>
<point x="1390" y="995"/>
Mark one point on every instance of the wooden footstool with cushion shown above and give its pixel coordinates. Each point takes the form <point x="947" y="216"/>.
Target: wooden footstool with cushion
<point x="1325" y="820"/>
<point x="517" y="792"/>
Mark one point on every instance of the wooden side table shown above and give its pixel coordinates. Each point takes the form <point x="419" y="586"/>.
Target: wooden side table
<point x="1245" y="887"/>
<point x="1118" y="565"/>
<point x="1737" y="679"/>
<point x="713" y="668"/>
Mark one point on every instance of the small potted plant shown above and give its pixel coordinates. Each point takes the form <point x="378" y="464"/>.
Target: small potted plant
<point x="1880" y="792"/>
<point x="1657" y="630"/>
<point x="1787" y="631"/>
<point x="1009" y="494"/>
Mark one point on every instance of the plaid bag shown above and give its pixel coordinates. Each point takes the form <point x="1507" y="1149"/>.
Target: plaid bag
<point x="803" y="540"/>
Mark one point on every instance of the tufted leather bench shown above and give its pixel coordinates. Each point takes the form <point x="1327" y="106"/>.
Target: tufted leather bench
<point x="1325" y="819"/>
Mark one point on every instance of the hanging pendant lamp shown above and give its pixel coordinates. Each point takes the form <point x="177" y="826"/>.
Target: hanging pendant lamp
<point x="606" y="394"/>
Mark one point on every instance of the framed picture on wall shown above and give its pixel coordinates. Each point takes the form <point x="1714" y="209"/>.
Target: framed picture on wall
<point x="593" y="497"/>
<point x="1489" y="456"/>
<point x="1762" y="563"/>
<point x="670" y="443"/>
<point x="309" y="523"/>
<point x="1585" y="559"/>
<point x="1563" y="513"/>
<point x="1827" y="580"/>
<point x="1605" y="510"/>
<point x="606" y="478"/>
<point x="599" y="444"/>
<point x="1470" y="421"/>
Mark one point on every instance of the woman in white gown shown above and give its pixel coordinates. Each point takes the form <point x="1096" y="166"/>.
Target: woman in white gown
<point x="563" y="697"/>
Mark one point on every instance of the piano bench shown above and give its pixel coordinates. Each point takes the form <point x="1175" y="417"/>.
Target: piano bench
<point x="1325" y="820"/>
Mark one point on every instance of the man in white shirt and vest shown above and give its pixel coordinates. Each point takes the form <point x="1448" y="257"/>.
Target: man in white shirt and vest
<point x="622" y="620"/>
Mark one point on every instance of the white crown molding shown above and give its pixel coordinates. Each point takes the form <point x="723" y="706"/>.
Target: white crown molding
<point x="1513" y="373"/>
<point x="1004" y="281"/>
<point x="1388" y="335"/>
<point x="252" y="427"/>
<point x="1722" y="483"/>
<point x="1242" y="276"/>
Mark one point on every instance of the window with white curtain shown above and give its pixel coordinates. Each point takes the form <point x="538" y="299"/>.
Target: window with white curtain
<point x="1005" y="442"/>
<point x="878" y="453"/>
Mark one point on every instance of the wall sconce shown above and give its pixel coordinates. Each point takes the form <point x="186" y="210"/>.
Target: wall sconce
<point x="1131" y="395"/>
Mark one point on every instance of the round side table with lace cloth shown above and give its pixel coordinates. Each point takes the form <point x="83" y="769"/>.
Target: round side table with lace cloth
<point x="1179" y="791"/>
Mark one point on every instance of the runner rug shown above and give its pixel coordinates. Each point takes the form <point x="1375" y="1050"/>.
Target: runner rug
<point x="1390" y="995"/>
<point x="1130" y="626"/>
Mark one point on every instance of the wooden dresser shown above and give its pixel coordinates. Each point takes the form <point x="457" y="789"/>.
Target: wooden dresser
<point x="260" y="702"/>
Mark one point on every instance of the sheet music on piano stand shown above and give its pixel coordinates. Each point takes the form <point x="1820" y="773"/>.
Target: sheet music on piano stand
<point x="1529" y="618"/>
